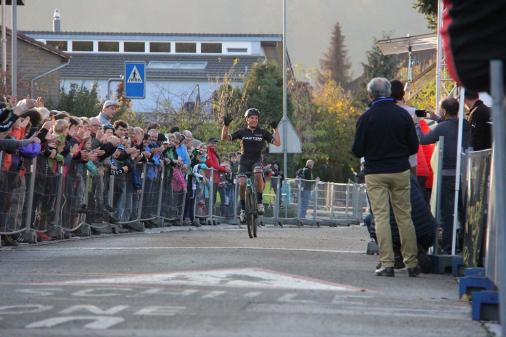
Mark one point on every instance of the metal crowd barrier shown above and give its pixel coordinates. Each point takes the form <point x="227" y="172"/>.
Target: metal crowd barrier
<point x="492" y="241"/>
<point x="13" y="193"/>
<point x="51" y="199"/>
<point x="73" y="192"/>
<point x="476" y="201"/>
<point x="291" y="201"/>
<point x="45" y="195"/>
<point x="172" y="201"/>
<point x="98" y="207"/>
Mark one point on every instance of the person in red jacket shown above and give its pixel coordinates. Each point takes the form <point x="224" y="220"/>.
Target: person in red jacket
<point x="213" y="161"/>
<point x="427" y="150"/>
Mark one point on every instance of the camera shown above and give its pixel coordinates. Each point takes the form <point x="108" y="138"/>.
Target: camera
<point x="421" y="113"/>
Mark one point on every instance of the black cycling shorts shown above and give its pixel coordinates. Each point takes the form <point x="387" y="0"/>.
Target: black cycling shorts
<point x="250" y="166"/>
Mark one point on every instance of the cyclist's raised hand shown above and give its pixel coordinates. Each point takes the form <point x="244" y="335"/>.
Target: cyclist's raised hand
<point x="227" y="119"/>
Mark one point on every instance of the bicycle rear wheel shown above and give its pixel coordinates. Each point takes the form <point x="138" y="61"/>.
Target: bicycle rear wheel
<point x="251" y="217"/>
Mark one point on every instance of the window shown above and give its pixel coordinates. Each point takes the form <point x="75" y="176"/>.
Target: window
<point x="186" y="47"/>
<point x="82" y="46"/>
<point x="237" y="50"/>
<point x="159" y="47"/>
<point x="134" y="47"/>
<point x="60" y="45"/>
<point x="211" y="48"/>
<point x="177" y="65"/>
<point x="108" y="46"/>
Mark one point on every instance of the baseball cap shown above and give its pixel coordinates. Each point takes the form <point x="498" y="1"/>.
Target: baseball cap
<point x="212" y="140"/>
<point x="109" y="103"/>
<point x="187" y="134"/>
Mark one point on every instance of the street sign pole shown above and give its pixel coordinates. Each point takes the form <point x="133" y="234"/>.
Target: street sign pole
<point x="285" y="97"/>
<point x="4" y="46"/>
<point x="14" y="51"/>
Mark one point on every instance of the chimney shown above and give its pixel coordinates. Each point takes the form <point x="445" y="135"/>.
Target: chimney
<point x="56" y="21"/>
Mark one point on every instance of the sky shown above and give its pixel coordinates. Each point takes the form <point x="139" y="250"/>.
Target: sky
<point x="309" y="22"/>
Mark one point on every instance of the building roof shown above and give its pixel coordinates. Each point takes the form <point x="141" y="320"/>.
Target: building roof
<point x="144" y="36"/>
<point x="105" y="66"/>
<point x="38" y="44"/>
<point x="400" y="45"/>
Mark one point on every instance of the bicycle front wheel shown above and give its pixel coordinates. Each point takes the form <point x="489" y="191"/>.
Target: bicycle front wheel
<point x="251" y="217"/>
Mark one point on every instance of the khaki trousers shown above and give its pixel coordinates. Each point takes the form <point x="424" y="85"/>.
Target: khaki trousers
<point x="394" y="187"/>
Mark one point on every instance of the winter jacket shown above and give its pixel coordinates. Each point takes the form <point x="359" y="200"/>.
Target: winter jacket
<point x="385" y="137"/>
<point x="213" y="161"/>
<point x="428" y="151"/>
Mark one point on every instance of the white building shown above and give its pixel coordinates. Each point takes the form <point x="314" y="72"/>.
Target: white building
<point x="179" y="67"/>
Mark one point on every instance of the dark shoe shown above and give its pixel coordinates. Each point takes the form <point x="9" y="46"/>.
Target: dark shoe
<point x="424" y="262"/>
<point x="388" y="271"/>
<point x="398" y="263"/>
<point x="413" y="272"/>
<point x="8" y="241"/>
<point x="378" y="266"/>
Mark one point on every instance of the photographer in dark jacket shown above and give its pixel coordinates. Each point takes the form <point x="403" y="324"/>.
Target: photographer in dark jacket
<point x="479" y="120"/>
<point x="386" y="137"/>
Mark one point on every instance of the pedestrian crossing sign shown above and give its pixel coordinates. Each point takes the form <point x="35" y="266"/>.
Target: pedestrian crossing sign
<point x="135" y="80"/>
<point x="134" y="76"/>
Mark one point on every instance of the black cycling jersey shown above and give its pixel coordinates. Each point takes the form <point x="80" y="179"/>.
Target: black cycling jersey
<point x="252" y="142"/>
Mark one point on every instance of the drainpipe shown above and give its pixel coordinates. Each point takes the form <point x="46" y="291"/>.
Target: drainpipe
<point x="119" y="79"/>
<point x="32" y="82"/>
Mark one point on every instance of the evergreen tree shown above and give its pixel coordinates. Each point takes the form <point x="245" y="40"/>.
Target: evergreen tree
<point x="80" y="101"/>
<point x="429" y="9"/>
<point x="335" y="64"/>
<point x="263" y="89"/>
<point x="378" y="65"/>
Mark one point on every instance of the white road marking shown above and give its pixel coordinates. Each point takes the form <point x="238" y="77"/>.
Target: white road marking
<point x="160" y="311"/>
<point x="94" y="309"/>
<point x="24" y="309"/>
<point x="40" y="291"/>
<point x="350" y="310"/>
<point x="162" y="291"/>
<point x="214" y="294"/>
<point x="237" y="278"/>
<point x="98" y="322"/>
<point x="291" y="298"/>
<point x="90" y="292"/>
<point x="252" y="294"/>
<point x="361" y="252"/>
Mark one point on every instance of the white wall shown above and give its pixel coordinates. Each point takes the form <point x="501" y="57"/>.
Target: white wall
<point x="159" y="95"/>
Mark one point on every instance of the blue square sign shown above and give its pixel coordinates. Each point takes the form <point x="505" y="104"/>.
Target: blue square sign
<point x="135" y="80"/>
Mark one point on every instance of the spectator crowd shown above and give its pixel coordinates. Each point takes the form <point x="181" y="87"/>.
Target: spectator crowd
<point x="98" y="148"/>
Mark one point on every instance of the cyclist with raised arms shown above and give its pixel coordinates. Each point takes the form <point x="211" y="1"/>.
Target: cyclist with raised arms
<point x="253" y="140"/>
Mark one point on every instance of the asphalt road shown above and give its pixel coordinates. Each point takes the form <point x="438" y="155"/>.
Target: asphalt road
<point x="215" y="281"/>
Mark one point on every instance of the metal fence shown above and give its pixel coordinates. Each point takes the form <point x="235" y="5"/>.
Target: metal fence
<point x="475" y="195"/>
<point x="46" y="199"/>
